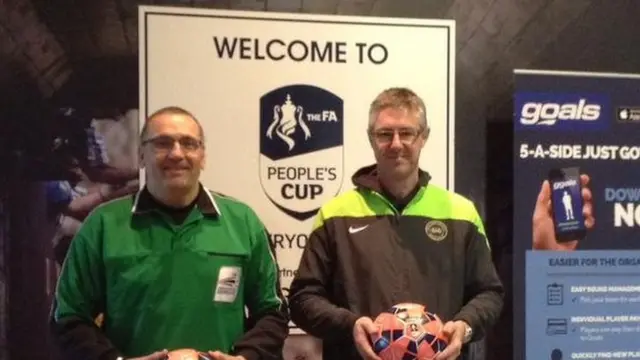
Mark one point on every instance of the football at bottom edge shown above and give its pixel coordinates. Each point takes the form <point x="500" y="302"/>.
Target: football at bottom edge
<point x="187" y="354"/>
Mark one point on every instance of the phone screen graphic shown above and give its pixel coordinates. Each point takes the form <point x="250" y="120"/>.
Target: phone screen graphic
<point x="566" y="200"/>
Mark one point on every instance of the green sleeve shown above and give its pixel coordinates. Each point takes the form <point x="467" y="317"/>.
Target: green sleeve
<point x="268" y="323"/>
<point x="80" y="290"/>
<point x="263" y="285"/>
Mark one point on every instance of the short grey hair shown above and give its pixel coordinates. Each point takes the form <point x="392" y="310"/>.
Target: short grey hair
<point x="171" y="110"/>
<point x="398" y="98"/>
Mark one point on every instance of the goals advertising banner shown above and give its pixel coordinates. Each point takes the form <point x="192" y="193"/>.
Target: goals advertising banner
<point x="284" y="98"/>
<point x="576" y="215"/>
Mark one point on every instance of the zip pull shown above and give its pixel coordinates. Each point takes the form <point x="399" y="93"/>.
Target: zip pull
<point x="396" y="217"/>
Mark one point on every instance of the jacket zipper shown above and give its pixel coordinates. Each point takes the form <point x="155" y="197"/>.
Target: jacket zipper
<point x="397" y="214"/>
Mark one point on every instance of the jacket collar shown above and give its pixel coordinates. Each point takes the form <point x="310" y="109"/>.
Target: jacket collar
<point x="367" y="178"/>
<point x="143" y="202"/>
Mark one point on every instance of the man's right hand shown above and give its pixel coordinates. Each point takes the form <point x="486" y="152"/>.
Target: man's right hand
<point x="158" y="355"/>
<point x="363" y="330"/>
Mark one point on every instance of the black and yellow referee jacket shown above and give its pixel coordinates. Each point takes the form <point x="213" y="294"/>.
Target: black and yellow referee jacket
<point x="364" y="256"/>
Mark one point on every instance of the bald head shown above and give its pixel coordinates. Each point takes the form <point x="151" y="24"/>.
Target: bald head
<point x="169" y="110"/>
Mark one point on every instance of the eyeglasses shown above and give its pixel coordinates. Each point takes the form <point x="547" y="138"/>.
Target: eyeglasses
<point x="166" y="143"/>
<point x="407" y="135"/>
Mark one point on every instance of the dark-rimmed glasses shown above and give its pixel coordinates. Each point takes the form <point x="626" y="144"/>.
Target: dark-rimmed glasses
<point x="407" y="136"/>
<point x="165" y="143"/>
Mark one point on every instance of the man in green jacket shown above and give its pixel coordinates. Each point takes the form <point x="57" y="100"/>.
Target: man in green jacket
<point x="173" y="266"/>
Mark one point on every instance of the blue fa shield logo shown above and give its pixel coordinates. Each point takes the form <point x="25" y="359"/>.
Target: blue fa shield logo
<point x="301" y="148"/>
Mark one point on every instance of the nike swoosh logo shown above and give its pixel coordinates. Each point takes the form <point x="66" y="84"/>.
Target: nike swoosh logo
<point x="353" y="230"/>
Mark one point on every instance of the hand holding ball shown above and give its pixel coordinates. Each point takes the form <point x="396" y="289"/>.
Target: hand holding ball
<point x="187" y="354"/>
<point x="408" y="331"/>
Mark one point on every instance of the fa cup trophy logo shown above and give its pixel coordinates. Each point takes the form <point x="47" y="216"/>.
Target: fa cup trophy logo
<point x="286" y="118"/>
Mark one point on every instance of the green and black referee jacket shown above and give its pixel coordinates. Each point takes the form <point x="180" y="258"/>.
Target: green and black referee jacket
<point x="163" y="285"/>
<point x="363" y="256"/>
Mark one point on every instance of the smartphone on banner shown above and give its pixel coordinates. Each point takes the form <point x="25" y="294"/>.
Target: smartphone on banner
<point x="566" y="203"/>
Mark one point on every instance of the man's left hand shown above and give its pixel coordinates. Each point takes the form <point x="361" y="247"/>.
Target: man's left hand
<point x="217" y="355"/>
<point x="454" y="331"/>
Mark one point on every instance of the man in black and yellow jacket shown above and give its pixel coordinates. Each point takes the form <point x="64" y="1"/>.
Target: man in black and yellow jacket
<point x="395" y="238"/>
